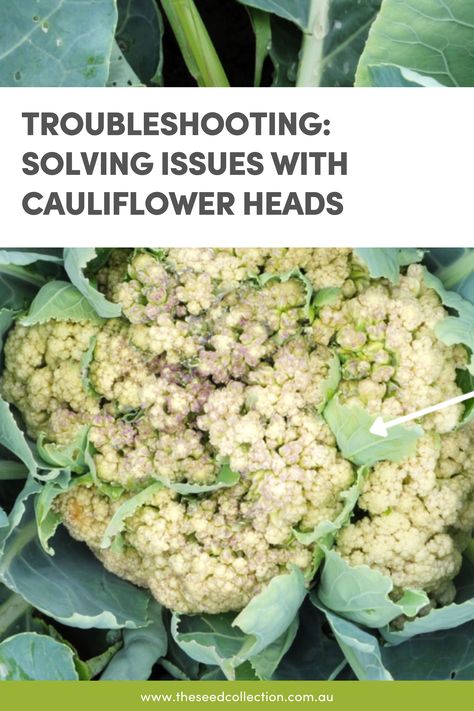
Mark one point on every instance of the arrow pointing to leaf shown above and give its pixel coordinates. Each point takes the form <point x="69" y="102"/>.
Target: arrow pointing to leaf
<point x="380" y="428"/>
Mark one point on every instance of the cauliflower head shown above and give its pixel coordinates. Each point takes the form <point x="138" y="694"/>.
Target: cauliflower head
<point x="220" y="359"/>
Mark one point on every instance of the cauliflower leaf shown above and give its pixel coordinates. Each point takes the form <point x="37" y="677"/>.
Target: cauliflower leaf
<point x="386" y="262"/>
<point x="210" y="639"/>
<point x="75" y="262"/>
<point x="225" y="478"/>
<point x="444" y="655"/>
<point x="215" y="639"/>
<point x="455" y="267"/>
<point x="13" y="438"/>
<point x="128" y="508"/>
<point x="7" y="317"/>
<point x="441" y="618"/>
<point x="266" y="662"/>
<point x="396" y="75"/>
<point x="454" y="329"/>
<point x="361" y="594"/>
<point x="351" y="427"/>
<point x="267" y="627"/>
<point x="30" y="488"/>
<point x="142" y="648"/>
<point x="314" y="654"/>
<point x="330" y="383"/>
<point x="86" y="361"/>
<point x="65" y="456"/>
<point x="325" y="297"/>
<point x="30" y="656"/>
<point x="92" y="598"/>
<point x="263" y="279"/>
<point x="23" y="272"/>
<point x="3" y="518"/>
<point x="59" y="300"/>
<point x="47" y="520"/>
<point x="465" y="380"/>
<point x="325" y="531"/>
<point x="44" y="462"/>
<point x="27" y="257"/>
<point x="360" y="648"/>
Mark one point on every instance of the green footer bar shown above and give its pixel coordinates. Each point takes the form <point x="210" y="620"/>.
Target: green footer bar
<point x="298" y="695"/>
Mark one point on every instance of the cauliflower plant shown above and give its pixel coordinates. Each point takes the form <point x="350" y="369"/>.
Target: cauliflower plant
<point x="223" y="358"/>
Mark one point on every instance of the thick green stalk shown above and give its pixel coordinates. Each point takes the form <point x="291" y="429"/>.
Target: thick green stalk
<point x="312" y="49"/>
<point x="10" y="470"/>
<point x="194" y="42"/>
<point x="263" y="38"/>
<point x="22" y="274"/>
<point x="469" y="552"/>
<point x="456" y="272"/>
<point x="11" y="611"/>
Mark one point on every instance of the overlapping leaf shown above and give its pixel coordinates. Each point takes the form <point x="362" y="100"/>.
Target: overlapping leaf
<point x="360" y="648"/>
<point x="297" y="11"/>
<point x="456" y="328"/>
<point x="228" y="643"/>
<point x="60" y="300"/>
<point x="139" y="36"/>
<point x="348" y="24"/>
<point x="314" y="654"/>
<point x="75" y="262"/>
<point x="12" y="437"/>
<point x="142" y="648"/>
<point x="351" y="427"/>
<point x="442" y="618"/>
<point x="29" y="656"/>
<point x="455" y="267"/>
<point x="444" y="655"/>
<point x="361" y="594"/>
<point x="386" y="261"/>
<point x="391" y="75"/>
<point x="95" y="598"/>
<point x="430" y="37"/>
<point x="56" y="42"/>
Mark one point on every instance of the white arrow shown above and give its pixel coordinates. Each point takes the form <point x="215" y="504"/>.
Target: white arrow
<point x="380" y="428"/>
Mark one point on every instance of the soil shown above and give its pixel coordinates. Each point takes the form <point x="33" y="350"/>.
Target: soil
<point x="228" y="24"/>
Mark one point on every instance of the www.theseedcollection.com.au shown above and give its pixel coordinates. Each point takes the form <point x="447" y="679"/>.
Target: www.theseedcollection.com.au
<point x="236" y="697"/>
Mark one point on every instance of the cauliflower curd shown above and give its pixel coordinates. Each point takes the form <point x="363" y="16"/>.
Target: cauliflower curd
<point x="211" y="365"/>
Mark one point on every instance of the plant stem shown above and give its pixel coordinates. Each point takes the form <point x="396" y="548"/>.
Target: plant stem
<point x="10" y="470"/>
<point x="194" y="42"/>
<point x="469" y="552"/>
<point x="312" y="49"/>
<point x="11" y="610"/>
<point x="22" y="274"/>
<point x="263" y="37"/>
<point x="457" y="271"/>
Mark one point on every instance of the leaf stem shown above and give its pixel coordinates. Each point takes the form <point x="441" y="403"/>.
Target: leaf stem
<point x="457" y="271"/>
<point x="310" y="68"/>
<point x="11" y="470"/>
<point x="10" y="611"/>
<point x="263" y="37"/>
<point x="469" y="551"/>
<point x="194" y="42"/>
<point x="22" y="274"/>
